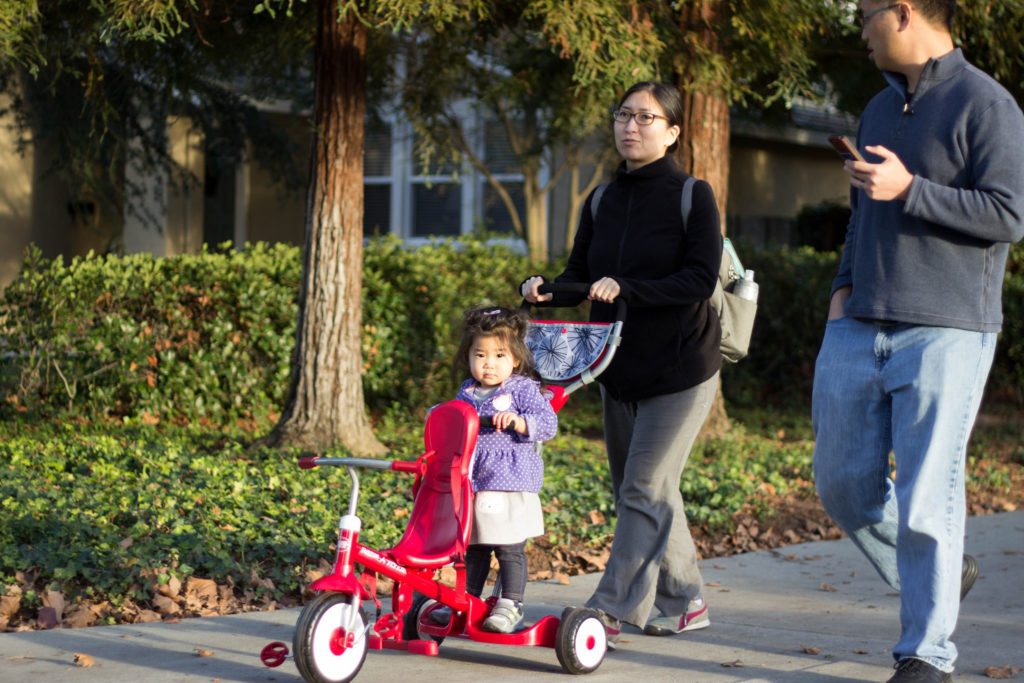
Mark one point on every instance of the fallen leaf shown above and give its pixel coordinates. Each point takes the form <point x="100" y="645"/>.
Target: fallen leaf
<point x="199" y="652"/>
<point x="1002" y="671"/>
<point x="83" y="660"/>
<point x="860" y="652"/>
<point x="811" y="650"/>
<point x="735" y="664"/>
<point x="827" y="588"/>
<point x="80" y="618"/>
<point x="47" y="617"/>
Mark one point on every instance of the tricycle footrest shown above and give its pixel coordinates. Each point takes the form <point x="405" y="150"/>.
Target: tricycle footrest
<point x="416" y="647"/>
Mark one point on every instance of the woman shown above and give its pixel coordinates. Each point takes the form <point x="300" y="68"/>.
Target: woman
<point x="659" y="388"/>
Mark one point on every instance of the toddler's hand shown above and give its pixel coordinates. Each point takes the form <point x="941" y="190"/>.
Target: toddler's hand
<point x="505" y="420"/>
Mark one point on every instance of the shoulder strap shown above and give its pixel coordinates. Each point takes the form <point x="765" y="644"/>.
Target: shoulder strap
<point x="686" y="198"/>
<point x="596" y="199"/>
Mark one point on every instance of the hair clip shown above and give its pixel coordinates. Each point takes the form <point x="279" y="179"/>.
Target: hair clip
<point x="491" y="311"/>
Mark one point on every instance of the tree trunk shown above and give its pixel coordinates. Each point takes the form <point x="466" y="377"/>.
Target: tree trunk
<point x="325" y="405"/>
<point x="704" y="146"/>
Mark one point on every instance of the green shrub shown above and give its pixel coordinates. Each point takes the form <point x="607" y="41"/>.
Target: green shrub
<point x="207" y="338"/>
<point x="792" y="307"/>
<point x="413" y="300"/>
<point x="196" y="337"/>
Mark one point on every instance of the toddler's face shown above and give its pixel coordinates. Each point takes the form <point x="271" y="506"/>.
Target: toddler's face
<point x="490" y="362"/>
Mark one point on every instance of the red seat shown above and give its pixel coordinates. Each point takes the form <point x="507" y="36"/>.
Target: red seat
<point x="442" y="514"/>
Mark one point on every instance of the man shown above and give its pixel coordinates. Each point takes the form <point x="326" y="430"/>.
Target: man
<point x="913" y="317"/>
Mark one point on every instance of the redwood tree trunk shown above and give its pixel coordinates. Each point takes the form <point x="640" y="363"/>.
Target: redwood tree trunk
<point x="704" y="144"/>
<point x="325" y="404"/>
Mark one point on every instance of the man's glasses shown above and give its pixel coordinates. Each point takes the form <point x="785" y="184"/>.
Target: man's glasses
<point x="642" y="118"/>
<point x="866" y="16"/>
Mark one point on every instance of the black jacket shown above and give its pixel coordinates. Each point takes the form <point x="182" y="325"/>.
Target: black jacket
<point x="667" y="274"/>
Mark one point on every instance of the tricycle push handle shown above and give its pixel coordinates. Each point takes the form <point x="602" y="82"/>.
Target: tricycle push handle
<point x="580" y="288"/>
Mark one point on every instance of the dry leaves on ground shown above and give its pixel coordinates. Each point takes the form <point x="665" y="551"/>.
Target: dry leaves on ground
<point x="1002" y="671"/>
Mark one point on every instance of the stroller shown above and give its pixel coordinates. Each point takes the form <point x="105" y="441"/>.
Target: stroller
<point x="332" y="635"/>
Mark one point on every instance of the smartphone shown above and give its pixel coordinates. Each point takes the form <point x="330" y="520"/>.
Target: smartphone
<point x="845" y="148"/>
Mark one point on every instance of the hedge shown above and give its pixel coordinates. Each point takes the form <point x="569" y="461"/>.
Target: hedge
<point x="207" y="338"/>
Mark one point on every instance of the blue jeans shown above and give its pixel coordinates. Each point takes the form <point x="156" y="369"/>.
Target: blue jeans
<point x="914" y="391"/>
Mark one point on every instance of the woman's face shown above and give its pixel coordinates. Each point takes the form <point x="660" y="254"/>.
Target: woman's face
<point x="640" y="145"/>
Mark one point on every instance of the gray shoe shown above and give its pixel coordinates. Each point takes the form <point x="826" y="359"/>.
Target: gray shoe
<point x="441" y="615"/>
<point x="505" y="617"/>
<point x="612" y="629"/>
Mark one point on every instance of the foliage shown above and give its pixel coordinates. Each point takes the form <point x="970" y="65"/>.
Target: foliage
<point x="196" y="337"/>
<point x="93" y="512"/>
<point x="989" y="33"/>
<point x="208" y="338"/>
<point x="106" y="514"/>
<point x="792" y="303"/>
<point x="749" y="51"/>
<point x="412" y="302"/>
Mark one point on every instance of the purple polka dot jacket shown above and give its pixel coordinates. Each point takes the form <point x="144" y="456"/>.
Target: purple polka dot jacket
<point x="507" y="460"/>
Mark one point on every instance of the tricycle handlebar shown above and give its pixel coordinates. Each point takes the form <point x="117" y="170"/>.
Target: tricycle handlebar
<point x="311" y="462"/>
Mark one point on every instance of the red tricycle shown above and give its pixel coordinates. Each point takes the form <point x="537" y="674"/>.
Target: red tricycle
<point x="332" y="634"/>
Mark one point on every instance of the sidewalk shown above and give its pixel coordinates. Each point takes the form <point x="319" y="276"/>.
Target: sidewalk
<point x="808" y="612"/>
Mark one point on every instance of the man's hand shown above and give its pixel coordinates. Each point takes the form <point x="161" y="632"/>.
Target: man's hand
<point x="887" y="180"/>
<point x="835" y="304"/>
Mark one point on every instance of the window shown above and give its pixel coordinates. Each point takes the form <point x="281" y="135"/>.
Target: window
<point x="446" y="199"/>
<point x="377" y="180"/>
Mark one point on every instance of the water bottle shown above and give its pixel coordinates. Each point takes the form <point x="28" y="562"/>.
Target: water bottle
<point x="745" y="287"/>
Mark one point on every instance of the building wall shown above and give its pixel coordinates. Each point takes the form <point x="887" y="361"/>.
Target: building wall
<point x="771" y="179"/>
<point x="37" y="208"/>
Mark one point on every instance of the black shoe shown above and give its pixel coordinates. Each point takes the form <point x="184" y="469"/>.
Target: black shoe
<point x="911" y="670"/>
<point x="968" y="575"/>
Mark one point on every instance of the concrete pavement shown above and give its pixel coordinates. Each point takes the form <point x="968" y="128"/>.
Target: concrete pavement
<point x="807" y="612"/>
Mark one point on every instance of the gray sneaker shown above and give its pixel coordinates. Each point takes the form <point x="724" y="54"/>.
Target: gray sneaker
<point x="441" y="615"/>
<point x="612" y="629"/>
<point x="505" y="617"/>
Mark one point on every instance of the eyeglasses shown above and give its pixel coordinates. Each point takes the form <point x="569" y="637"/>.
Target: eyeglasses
<point x="866" y="16"/>
<point x="643" y="118"/>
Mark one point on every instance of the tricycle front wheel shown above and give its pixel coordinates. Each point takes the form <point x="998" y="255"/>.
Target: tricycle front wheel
<point x="330" y="639"/>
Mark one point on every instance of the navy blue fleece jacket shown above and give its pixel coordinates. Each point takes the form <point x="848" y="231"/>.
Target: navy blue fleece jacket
<point x="938" y="258"/>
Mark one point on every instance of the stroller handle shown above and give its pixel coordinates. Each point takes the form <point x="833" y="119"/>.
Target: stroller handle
<point x="580" y="288"/>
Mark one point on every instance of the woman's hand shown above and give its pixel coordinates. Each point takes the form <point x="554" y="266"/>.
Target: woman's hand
<point x="529" y="290"/>
<point x="604" y="290"/>
<point x="507" y="419"/>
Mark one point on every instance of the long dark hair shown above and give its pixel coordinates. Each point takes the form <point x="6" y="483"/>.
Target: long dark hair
<point x="506" y="324"/>
<point x="667" y="97"/>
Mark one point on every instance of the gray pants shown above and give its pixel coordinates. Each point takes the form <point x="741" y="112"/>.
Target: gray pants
<point x="653" y="560"/>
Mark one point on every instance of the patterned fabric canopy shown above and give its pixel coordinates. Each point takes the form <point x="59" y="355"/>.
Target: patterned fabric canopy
<point x="562" y="350"/>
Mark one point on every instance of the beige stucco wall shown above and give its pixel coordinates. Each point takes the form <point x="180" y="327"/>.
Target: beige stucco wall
<point x="780" y="180"/>
<point x="35" y="207"/>
<point x="15" y="200"/>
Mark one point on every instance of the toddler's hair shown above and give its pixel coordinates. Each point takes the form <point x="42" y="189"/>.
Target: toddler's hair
<point x="507" y="324"/>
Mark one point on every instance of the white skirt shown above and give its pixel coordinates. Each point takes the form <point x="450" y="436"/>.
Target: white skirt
<point x="506" y="517"/>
